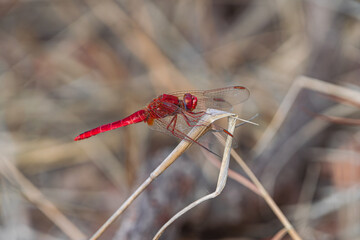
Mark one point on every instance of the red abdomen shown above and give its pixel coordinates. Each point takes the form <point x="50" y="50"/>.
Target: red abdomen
<point x="136" y="117"/>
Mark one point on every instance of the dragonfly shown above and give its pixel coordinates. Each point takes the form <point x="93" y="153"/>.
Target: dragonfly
<point x="177" y="113"/>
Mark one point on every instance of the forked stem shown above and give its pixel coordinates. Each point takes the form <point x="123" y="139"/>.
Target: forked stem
<point x="211" y="116"/>
<point x="220" y="184"/>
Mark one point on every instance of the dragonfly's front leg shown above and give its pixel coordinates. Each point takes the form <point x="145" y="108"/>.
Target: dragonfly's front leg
<point x="188" y="121"/>
<point x="192" y="118"/>
<point x="173" y="123"/>
<point x="172" y="128"/>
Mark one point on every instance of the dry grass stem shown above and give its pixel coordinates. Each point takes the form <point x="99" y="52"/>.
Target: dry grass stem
<point x="219" y="186"/>
<point x="304" y="134"/>
<point x="12" y="174"/>
<point x="302" y="212"/>
<point x="290" y="229"/>
<point x="232" y="174"/>
<point x="299" y="84"/>
<point x="279" y="235"/>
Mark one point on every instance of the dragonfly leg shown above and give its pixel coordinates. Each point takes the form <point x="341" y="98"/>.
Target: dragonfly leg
<point x="216" y="128"/>
<point x="176" y="132"/>
<point x="171" y="127"/>
<point x="173" y="122"/>
<point x="195" y="115"/>
<point x="188" y="121"/>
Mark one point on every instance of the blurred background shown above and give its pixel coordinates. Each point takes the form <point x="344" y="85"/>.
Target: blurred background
<point x="69" y="66"/>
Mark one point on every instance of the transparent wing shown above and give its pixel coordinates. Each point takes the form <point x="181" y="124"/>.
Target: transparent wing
<point x="221" y="98"/>
<point x="161" y="125"/>
<point x="177" y="125"/>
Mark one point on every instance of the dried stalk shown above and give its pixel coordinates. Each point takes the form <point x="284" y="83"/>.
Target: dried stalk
<point x="12" y="174"/>
<point x="300" y="84"/>
<point x="290" y="229"/>
<point x="220" y="184"/>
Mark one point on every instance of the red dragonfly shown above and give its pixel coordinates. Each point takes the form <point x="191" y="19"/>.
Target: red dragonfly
<point x="176" y="113"/>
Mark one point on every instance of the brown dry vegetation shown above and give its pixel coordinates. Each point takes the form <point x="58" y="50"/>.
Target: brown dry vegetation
<point x="68" y="66"/>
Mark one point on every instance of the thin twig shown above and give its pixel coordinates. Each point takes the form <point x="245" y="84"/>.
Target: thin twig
<point x="10" y="172"/>
<point x="299" y="84"/>
<point x="280" y="234"/>
<point x="220" y="184"/>
<point x="232" y="174"/>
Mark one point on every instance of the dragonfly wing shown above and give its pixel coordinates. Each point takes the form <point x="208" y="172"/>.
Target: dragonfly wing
<point x="178" y="124"/>
<point x="221" y="98"/>
<point x="161" y="125"/>
<point x="171" y="125"/>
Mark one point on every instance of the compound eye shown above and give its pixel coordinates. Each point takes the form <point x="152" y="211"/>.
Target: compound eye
<point x="190" y="102"/>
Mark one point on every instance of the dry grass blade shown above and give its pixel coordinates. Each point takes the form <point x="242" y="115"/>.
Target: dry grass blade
<point x="10" y="172"/>
<point x="264" y="193"/>
<point x="339" y="120"/>
<point x="279" y="235"/>
<point x="299" y="84"/>
<point x="220" y="184"/>
<point x="195" y="133"/>
<point x="232" y="174"/>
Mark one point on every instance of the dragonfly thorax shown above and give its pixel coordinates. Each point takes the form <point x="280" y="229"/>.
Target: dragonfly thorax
<point x="164" y="105"/>
<point x="190" y="102"/>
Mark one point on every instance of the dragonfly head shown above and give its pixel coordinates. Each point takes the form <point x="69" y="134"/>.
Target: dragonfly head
<point x="190" y="102"/>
